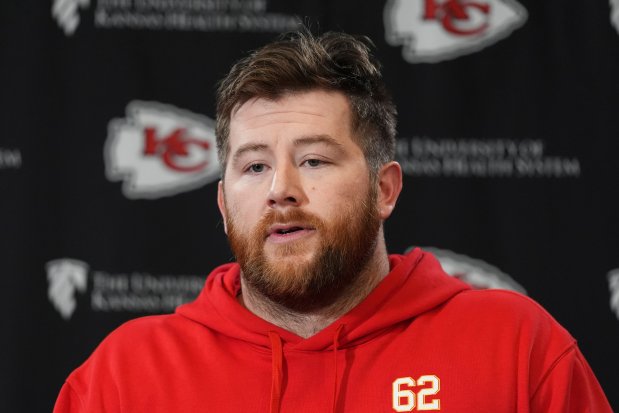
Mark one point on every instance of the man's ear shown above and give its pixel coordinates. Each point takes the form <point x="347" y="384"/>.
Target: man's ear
<point x="221" y="203"/>
<point x="389" y="188"/>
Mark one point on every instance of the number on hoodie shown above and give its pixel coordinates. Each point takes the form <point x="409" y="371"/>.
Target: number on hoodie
<point x="405" y="400"/>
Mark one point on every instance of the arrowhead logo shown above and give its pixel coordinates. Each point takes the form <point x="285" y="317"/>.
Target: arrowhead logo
<point x="159" y="150"/>
<point x="66" y="276"/>
<point x="431" y="31"/>
<point x="67" y="14"/>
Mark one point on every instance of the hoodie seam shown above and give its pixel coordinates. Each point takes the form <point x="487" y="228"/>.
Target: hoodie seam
<point x="562" y="356"/>
<point x="75" y="392"/>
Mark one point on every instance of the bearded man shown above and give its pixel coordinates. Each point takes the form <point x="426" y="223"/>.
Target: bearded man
<point x="316" y="316"/>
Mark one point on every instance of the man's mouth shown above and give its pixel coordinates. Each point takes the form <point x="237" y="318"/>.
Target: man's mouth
<point x="288" y="232"/>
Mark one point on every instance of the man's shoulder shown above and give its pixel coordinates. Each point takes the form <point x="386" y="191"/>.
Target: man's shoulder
<point x="511" y="313"/>
<point x="136" y="351"/>
<point x="142" y="333"/>
<point x="498" y="299"/>
<point x="508" y="309"/>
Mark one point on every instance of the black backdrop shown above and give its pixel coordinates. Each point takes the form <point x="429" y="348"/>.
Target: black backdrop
<point x="508" y="136"/>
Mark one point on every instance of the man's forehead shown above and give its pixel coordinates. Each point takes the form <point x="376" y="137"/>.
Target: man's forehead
<point x="310" y="106"/>
<point x="297" y="119"/>
<point x="299" y="142"/>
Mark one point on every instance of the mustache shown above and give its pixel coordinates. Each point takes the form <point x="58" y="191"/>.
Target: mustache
<point x="288" y="216"/>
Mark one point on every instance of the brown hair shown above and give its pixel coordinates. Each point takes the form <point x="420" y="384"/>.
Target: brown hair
<point x="300" y="61"/>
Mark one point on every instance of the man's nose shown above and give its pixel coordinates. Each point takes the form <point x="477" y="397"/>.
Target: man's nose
<point x="286" y="187"/>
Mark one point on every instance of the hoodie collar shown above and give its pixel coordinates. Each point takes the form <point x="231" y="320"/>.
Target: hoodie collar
<point x="415" y="285"/>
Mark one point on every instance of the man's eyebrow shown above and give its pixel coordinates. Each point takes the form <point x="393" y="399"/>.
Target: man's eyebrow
<point x="248" y="147"/>
<point x="302" y="141"/>
<point x="313" y="139"/>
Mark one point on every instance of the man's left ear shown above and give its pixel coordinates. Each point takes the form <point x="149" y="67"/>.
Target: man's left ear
<point x="389" y="188"/>
<point x="221" y="203"/>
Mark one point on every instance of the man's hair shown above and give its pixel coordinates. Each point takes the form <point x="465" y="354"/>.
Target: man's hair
<point x="299" y="62"/>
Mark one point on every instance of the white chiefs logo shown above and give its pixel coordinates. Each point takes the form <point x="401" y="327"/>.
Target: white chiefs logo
<point x="613" y="286"/>
<point x="614" y="13"/>
<point x="159" y="150"/>
<point x="430" y="31"/>
<point x="65" y="277"/>
<point x="477" y="273"/>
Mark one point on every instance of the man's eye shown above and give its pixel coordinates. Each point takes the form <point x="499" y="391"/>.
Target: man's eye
<point x="256" y="168"/>
<point x="313" y="163"/>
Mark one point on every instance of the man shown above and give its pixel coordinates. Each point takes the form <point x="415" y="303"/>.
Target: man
<point x="316" y="317"/>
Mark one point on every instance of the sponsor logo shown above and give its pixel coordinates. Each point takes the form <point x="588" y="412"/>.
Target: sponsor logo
<point x="66" y="14"/>
<point x="136" y="292"/>
<point x="66" y="277"/>
<point x="477" y="273"/>
<point x="431" y="31"/>
<point x="614" y="13"/>
<point x="10" y="158"/>
<point x="422" y="156"/>
<point x="158" y="150"/>
<point x="613" y="286"/>
<point x="243" y="16"/>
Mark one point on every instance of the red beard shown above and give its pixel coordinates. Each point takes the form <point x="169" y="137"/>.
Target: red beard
<point x="302" y="285"/>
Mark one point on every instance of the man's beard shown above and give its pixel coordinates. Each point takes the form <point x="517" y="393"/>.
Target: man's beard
<point x="346" y="246"/>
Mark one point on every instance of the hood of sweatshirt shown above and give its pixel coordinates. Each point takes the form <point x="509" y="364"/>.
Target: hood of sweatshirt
<point x="415" y="284"/>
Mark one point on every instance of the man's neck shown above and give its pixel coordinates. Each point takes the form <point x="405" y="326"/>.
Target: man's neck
<point x="307" y="324"/>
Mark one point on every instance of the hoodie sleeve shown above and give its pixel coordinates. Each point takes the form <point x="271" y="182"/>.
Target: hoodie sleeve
<point x="68" y="401"/>
<point x="92" y="387"/>
<point x="570" y="387"/>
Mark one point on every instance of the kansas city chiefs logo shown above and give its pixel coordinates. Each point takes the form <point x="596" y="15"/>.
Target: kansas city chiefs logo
<point x="614" y="13"/>
<point x="613" y="285"/>
<point x="430" y="31"/>
<point x="475" y="272"/>
<point x="159" y="150"/>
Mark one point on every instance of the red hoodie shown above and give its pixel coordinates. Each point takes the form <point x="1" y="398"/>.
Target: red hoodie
<point x="421" y="341"/>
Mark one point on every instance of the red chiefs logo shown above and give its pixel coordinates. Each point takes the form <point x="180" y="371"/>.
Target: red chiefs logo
<point x="430" y="31"/>
<point x="159" y="150"/>
<point x="173" y="148"/>
<point x="452" y="13"/>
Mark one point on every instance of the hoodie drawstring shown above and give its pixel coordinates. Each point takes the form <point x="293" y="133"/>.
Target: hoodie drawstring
<point x="276" y="371"/>
<point x="336" y="344"/>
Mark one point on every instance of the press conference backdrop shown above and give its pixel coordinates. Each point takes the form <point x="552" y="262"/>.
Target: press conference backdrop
<point x="508" y="138"/>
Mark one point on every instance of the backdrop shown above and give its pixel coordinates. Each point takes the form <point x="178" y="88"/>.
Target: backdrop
<point x="508" y="138"/>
